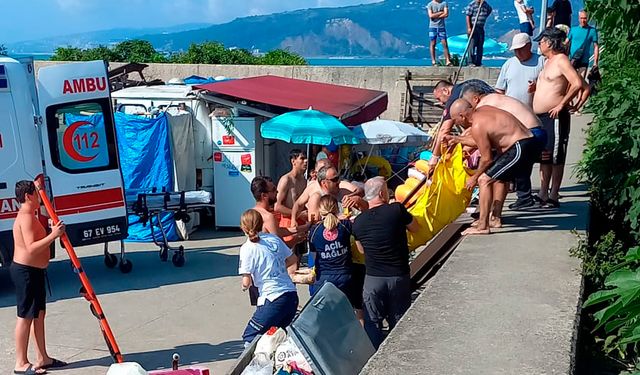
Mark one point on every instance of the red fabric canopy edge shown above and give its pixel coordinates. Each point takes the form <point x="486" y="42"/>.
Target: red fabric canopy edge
<point x="351" y="105"/>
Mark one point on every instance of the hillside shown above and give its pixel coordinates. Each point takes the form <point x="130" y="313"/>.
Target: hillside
<point x="391" y="28"/>
<point x="94" y="38"/>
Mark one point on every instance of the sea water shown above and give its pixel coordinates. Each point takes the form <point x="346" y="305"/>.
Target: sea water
<point x="494" y="62"/>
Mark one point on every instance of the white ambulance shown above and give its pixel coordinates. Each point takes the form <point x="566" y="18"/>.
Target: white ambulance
<point x="59" y="127"/>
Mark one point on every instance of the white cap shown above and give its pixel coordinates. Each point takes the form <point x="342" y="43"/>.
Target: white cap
<point x="520" y="40"/>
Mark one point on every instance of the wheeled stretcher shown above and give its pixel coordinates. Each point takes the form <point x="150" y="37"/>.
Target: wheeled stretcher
<point x="149" y="205"/>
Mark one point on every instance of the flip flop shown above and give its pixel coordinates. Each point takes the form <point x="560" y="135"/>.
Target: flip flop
<point x="29" y="371"/>
<point x="56" y="363"/>
<point x="550" y="203"/>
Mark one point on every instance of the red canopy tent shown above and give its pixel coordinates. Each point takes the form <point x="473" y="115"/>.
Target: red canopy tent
<point x="350" y="105"/>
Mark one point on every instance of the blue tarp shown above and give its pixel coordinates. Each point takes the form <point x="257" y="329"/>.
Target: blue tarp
<point x="197" y="80"/>
<point x="145" y="158"/>
<point x="458" y="43"/>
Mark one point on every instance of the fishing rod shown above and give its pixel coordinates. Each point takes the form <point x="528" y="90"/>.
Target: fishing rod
<point x="456" y="75"/>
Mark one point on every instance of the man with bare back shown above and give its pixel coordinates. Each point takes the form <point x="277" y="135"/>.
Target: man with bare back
<point x="558" y="84"/>
<point x="28" y="272"/>
<point x="493" y="128"/>
<point x="265" y="192"/>
<point x="290" y="188"/>
<point x="478" y="98"/>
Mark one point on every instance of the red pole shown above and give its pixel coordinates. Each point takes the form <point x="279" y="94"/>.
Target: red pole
<point x="90" y="294"/>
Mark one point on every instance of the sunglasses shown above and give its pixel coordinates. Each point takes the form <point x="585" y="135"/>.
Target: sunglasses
<point x="336" y="179"/>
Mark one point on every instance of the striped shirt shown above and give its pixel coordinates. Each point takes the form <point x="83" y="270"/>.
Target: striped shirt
<point x="472" y="10"/>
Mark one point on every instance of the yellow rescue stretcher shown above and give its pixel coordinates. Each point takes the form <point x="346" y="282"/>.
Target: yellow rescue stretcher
<point x="440" y="202"/>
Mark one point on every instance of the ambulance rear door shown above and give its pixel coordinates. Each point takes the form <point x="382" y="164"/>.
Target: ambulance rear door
<point x="19" y="144"/>
<point x="80" y="151"/>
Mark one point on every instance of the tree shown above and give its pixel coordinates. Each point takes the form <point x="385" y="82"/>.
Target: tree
<point x="100" y="53"/>
<point x="282" y="57"/>
<point x="138" y="51"/>
<point x="3" y="50"/>
<point x="68" y="54"/>
<point x="141" y="51"/>
<point x="204" y="53"/>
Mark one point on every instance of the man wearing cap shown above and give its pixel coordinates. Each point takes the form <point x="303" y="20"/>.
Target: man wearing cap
<point x="519" y="73"/>
<point x="517" y="79"/>
<point x="558" y="84"/>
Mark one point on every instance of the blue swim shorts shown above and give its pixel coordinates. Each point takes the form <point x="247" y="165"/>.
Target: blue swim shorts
<point x="436" y="33"/>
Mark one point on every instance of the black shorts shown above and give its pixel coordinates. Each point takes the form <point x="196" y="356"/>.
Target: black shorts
<point x="31" y="294"/>
<point x="516" y="161"/>
<point x="555" y="150"/>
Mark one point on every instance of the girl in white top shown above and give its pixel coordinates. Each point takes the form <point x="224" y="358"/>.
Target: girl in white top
<point x="264" y="260"/>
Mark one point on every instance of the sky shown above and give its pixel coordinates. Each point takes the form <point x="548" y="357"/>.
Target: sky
<point x="35" y="19"/>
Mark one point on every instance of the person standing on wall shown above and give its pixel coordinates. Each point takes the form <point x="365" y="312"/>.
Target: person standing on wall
<point x="581" y="39"/>
<point x="562" y="11"/>
<point x="525" y="16"/>
<point x="438" y="11"/>
<point x="480" y="9"/>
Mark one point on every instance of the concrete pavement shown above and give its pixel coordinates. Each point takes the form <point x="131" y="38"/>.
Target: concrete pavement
<point x="198" y="311"/>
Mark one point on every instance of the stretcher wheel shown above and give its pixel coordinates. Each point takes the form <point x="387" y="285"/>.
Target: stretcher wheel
<point x="110" y="260"/>
<point x="125" y="266"/>
<point x="164" y="254"/>
<point x="178" y="259"/>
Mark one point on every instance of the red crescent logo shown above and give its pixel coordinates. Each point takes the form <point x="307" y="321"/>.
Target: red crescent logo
<point x="67" y="142"/>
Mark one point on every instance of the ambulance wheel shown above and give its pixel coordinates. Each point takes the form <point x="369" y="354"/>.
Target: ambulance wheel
<point x="110" y="260"/>
<point x="125" y="266"/>
<point x="178" y="259"/>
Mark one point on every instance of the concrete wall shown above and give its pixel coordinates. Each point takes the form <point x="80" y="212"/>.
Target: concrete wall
<point x="389" y="79"/>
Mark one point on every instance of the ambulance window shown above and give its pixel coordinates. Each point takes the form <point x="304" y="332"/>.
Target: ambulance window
<point x="81" y="136"/>
<point x="132" y="109"/>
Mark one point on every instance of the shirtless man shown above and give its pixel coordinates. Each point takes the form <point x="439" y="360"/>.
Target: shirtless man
<point x="265" y="192"/>
<point x="348" y="200"/>
<point x="558" y="84"/>
<point x="446" y="93"/>
<point x="329" y="182"/>
<point x="493" y="128"/>
<point x="477" y="97"/>
<point x="28" y="272"/>
<point x="290" y="187"/>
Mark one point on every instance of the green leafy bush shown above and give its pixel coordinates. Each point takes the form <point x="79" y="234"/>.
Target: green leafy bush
<point x="611" y="166"/>
<point x="141" y="51"/>
<point x="599" y="259"/>
<point x="620" y="318"/>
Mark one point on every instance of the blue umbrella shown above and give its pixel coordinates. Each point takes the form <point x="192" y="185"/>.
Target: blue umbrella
<point x="308" y="126"/>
